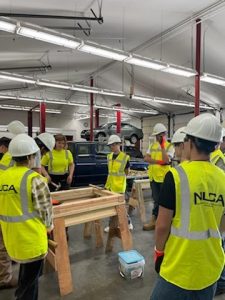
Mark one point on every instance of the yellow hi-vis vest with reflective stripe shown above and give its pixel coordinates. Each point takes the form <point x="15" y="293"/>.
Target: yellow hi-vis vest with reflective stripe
<point x="216" y="155"/>
<point x="116" y="180"/>
<point x="194" y="257"/>
<point x="6" y="162"/>
<point x="63" y="156"/>
<point x="23" y="232"/>
<point x="157" y="172"/>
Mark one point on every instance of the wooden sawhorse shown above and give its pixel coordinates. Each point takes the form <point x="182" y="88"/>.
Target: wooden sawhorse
<point x="82" y="206"/>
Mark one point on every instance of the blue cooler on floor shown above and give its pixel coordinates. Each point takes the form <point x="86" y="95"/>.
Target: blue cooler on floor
<point x="131" y="264"/>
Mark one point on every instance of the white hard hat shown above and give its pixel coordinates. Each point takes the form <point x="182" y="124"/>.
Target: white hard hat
<point x="205" y="126"/>
<point x="178" y="136"/>
<point x="16" y="127"/>
<point x="113" y="139"/>
<point x="22" y="145"/>
<point x="47" y="139"/>
<point x="158" y="128"/>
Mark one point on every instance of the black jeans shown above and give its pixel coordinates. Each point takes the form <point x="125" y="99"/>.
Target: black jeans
<point x="28" y="280"/>
<point x="62" y="179"/>
<point x="156" y="187"/>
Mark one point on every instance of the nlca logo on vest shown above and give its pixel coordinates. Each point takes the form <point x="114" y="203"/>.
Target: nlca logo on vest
<point x="7" y="188"/>
<point x="209" y="198"/>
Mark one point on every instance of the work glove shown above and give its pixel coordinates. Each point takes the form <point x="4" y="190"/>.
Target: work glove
<point x="163" y="142"/>
<point x="158" y="258"/>
<point x="160" y="162"/>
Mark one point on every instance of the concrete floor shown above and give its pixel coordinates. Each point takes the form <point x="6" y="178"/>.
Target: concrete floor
<point x="96" y="275"/>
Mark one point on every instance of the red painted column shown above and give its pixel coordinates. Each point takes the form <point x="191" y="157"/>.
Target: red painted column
<point x="30" y="122"/>
<point x="91" y="111"/>
<point x="118" y="120"/>
<point x="197" y="66"/>
<point x="96" y="118"/>
<point x="42" y="116"/>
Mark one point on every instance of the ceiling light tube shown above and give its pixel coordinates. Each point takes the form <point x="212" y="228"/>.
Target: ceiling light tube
<point x="145" y="62"/>
<point x="103" y="51"/>
<point x="112" y="93"/>
<point x="55" y="39"/>
<point x="213" y="79"/>
<point x="178" y="70"/>
<point x="16" y="77"/>
<point x="85" y="89"/>
<point x="54" y="84"/>
<point x="7" y="26"/>
<point x="143" y="98"/>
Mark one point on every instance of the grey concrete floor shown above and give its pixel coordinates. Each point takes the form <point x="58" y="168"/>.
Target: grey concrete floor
<point x="96" y="275"/>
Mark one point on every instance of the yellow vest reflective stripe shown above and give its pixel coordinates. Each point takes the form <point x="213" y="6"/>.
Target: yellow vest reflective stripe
<point x="216" y="155"/>
<point x="194" y="257"/>
<point x="157" y="172"/>
<point x="23" y="232"/>
<point x="116" y="180"/>
<point x="50" y="165"/>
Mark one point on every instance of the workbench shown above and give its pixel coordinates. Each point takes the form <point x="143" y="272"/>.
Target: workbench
<point x="80" y="206"/>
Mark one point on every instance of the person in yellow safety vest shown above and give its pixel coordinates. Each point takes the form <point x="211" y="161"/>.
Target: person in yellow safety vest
<point x="178" y="143"/>
<point x="118" y="168"/>
<point x="60" y="164"/>
<point x="25" y="215"/>
<point x="188" y="251"/>
<point x="217" y="157"/>
<point x="45" y="142"/>
<point x="7" y="280"/>
<point x="158" y="156"/>
<point x="6" y="160"/>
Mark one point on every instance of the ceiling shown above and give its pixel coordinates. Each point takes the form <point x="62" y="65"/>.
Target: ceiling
<point x="149" y="28"/>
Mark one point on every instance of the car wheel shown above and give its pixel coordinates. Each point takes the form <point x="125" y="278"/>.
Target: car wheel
<point x="133" y="139"/>
<point x="101" y="137"/>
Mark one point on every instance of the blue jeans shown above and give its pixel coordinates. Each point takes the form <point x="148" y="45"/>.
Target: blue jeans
<point x="164" y="290"/>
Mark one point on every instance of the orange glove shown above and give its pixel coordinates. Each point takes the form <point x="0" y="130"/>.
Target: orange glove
<point x="158" y="258"/>
<point x="163" y="142"/>
<point x="160" y="162"/>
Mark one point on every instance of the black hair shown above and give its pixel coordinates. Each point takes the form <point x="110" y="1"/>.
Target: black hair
<point x="4" y="141"/>
<point x="41" y="144"/>
<point x="22" y="159"/>
<point x="203" y="146"/>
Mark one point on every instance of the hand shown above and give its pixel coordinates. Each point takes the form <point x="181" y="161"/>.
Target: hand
<point x="69" y="179"/>
<point x="163" y="142"/>
<point x="48" y="178"/>
<point x="158" y="258"/>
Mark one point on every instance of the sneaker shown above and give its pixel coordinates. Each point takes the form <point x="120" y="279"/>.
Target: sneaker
<point x="106" y="229"/>
<point x="130" y="226"/>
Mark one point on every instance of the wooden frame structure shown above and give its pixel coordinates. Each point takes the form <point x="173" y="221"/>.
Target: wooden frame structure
<point x="82" y="206"/>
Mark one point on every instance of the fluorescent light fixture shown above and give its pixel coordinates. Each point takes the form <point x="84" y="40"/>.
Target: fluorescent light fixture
<point x="16" y="77"/>
<point x="103" y="51"/>
<point x="143" y="98"/>
<point x="54" y="84"/>
<point x="112" y="93"/>
<point x="178" y="70"/>
<point x="85" y="89"/>
<point x="47" y="37"/>
<point x="127" y="109"/>
<point x="7" y="26"/>
<point x="145" y="62"/>
<point x="25" y="108"/>
<point x="213" y="79"/>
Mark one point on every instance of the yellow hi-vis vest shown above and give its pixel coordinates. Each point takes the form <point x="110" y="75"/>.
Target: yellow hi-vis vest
<point x="194" y="257"/>
<point x="6" y="162"/>
<point x="157" y="172"/>
<point x="216" y="155"/>
<point x="23" y="232"/>
<point x="63" y="156"/>
<point x="116" y="180"/>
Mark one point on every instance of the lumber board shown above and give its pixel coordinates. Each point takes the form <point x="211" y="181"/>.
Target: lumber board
<point x="51" y="259"/>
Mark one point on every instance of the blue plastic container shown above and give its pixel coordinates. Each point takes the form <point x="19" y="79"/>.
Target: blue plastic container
<point x="131" y="264"/>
